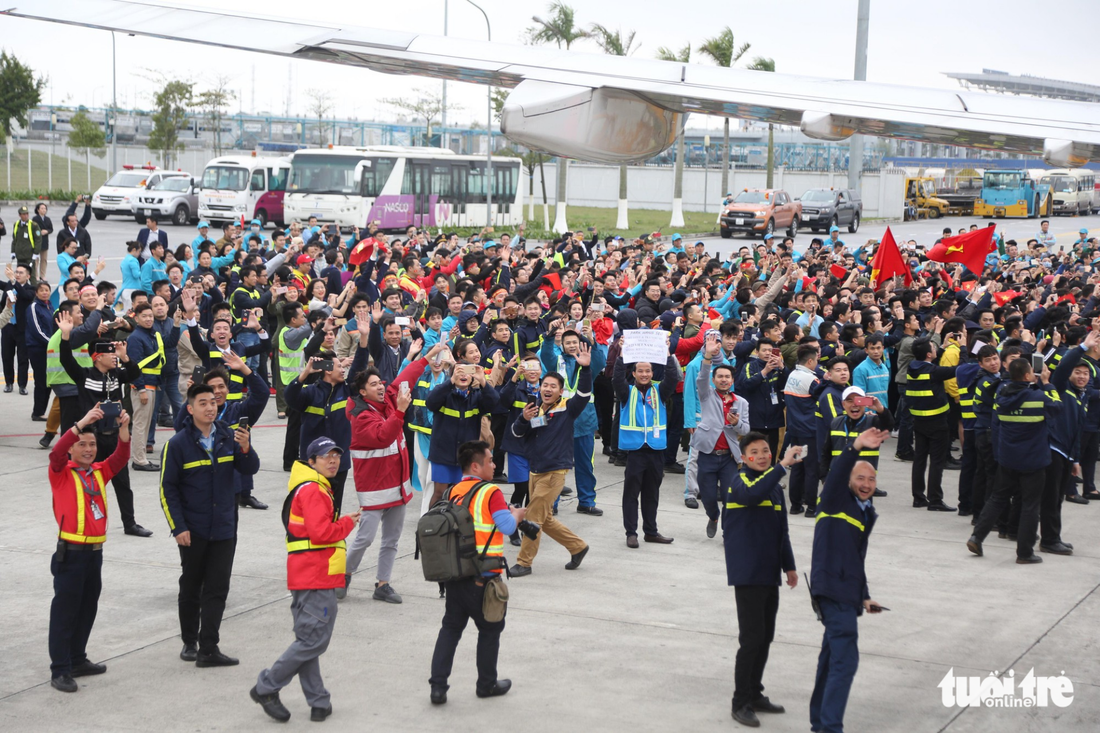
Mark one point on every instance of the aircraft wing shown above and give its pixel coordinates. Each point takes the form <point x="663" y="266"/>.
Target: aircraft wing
<point x="619" y="109"/>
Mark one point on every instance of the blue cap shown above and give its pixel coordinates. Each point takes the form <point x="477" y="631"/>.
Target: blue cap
<point x="676" y="237"/>
<point x="203" y="225"/>
<point x="1082" y="231"/>
<point x="322" y="446"/>
<point x="768" y="236"/>
<point x="257" y="222"/>
<point x="834" y="229"/>
<point x="488" y="243"/>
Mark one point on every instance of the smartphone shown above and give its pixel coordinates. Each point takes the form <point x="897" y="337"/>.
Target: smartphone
<point x="197" y="374"/>
<point x="402" y="321"/>
<point x="587" y="323"/>
<point x="597" y="307"/>
<point x="404" y="389"/>
<point x="863" y="401"/>
<point x="325" y="365"/>
<point x="243" y="422"/>
<point x="1037" y="363"/>
<point x="104" y="347"/>
<point x="591" y="230"/>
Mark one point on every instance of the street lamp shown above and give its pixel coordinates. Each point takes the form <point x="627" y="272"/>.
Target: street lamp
<point x="114" y="110"/>
<point x="488" y="133"/>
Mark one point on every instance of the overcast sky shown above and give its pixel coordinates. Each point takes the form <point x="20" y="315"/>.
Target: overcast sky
<point x="910" y="43"/>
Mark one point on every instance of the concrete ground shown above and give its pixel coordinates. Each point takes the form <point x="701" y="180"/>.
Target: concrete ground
<point x="635" y="640"/>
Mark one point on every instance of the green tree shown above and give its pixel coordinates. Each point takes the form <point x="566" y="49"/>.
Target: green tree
<point x="762" y="64"/>
<point x="20" y="92"/>
<point x="615" y="43"/>
<point x="722" y="50"/>
<point x="559" y="28"/>
<point x="87" y="136"/>
<point x="425" y="105"/>
<point x="213" y="102"/>
<point x="172" y="103"/>
<point x="682" y="56"/>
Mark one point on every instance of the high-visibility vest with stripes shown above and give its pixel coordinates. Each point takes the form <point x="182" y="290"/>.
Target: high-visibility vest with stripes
<point x="570" y="387"/>
<point x="643" y="421"/>
<point x="290" y="360"/>
<point x="254" y="294"/>
<point x="55" y="373"/>
<point x="750" y="482"/>
<point x="419" y="415"/>
<point x="153" y="363"/>
<point x="236" y="379"/>
<point x="297" y="539"/>
<point x="489" y="540"/>
<point x="966" y="404"/>
<point x="86" y="521"/>
<point x="922" y="397"/>
<point x="841" y="435"/>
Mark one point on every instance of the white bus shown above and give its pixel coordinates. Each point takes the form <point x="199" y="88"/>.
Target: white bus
<point x="249" y="186"/>
<point x="400" y="187"/>
<point x="1074" y="190"/>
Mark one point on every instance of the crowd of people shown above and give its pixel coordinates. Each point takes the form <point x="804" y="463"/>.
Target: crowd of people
<point x="434" y="364"/>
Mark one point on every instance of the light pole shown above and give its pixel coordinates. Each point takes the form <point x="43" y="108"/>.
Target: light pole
<point x="855" y="144"/>
<point x="443" y="112"/>
<point x="488" y="133"/>
<point x="114" y="110"/>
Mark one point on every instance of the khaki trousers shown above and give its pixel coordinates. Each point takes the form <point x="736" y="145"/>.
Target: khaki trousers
<point x="143" y="418"/>
<point x="545" y="488"/>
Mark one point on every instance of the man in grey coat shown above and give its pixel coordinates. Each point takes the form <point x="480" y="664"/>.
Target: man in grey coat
<point x="724" y="418"/>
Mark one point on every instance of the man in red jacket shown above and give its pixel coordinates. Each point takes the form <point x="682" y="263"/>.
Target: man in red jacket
<point x="314" y="570"/>
<point x="80" y="506"/>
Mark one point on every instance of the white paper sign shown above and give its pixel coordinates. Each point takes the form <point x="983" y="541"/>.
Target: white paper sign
<point x="643" y="344"/>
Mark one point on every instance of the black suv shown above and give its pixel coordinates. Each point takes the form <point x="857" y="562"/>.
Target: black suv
<point x="826" y="207"/>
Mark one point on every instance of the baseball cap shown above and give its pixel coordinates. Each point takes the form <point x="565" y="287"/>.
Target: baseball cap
<point x="304" y="260"/>
<point x="832" y="229"/>
<point x="1082" y="230"/>
<point x="203" y="225"/>
<point x="23" y="210"/>
<point x="768" y="236"/>
<point x="257" y="223"/>
<point x="322" y="446"/>
<point x="676" y="237"/>
<point x="850" y="392"/>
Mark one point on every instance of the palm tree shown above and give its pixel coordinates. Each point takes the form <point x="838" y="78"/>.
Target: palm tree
<point x="615" y="43"/>
<point x="683" y="57"/>
<point x="722" y="50"/>
<point x="561" y="29"/>
<point x="762" y="64"/>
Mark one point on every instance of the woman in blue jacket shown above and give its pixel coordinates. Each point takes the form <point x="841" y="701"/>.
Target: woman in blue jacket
<point x="40" y="326"/>
<point x="131" y="274"/>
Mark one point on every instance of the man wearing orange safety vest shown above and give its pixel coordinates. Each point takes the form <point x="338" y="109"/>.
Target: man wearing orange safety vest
<point x="80" y="506"/>
<point x="316" y="554"/>
<point x="494" y="520"/>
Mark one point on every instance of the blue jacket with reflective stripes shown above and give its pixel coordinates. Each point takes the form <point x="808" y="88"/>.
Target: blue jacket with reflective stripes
<point x="550" y="447"/>
<point x="754" y="528"/>
<point x="1067" y="426"/>
<point x="1021" y="436"/>
<point x="457" y="419"/>
<point x="324" y="409"/>
<point x="840" y="538"/>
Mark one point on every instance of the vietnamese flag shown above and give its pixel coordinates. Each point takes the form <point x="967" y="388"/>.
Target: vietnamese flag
<point x="889" y="263"/>
<point x="362" y="252"/>
<point x="1004" y="296"/>
<point x="970" y="249"/>
<point x="838" y="272"/>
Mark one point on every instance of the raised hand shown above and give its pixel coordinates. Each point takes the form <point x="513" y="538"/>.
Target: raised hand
<point x="870" y="439"/>
<point x="584" y="354"/>
<point x="65" y="324"/>
<point x="233" y="361"/>
<point x="376" y="311"/>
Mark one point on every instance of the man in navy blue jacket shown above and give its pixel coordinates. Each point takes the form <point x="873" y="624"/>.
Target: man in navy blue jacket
<point x="197" y="494"/>
<point x="758" y="547"/>
<point x="838" y="581"/>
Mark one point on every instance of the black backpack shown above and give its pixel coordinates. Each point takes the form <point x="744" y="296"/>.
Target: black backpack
<point x="448" y="543"/>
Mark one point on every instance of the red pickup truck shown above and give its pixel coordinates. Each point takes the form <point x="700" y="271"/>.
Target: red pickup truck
<point x="760" y="211"/>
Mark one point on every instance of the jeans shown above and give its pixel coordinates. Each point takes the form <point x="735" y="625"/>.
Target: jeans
<point x="931" y="442"/>
<point x="757" y="606"/>
<point x="204" y="586"/>
<point x="836" y="665"/>
<point x="716" y="475"/>
<point x="464" y="602"/>
<point x="77" y="582"/>
<point x="645" y="469"/>
<point x="244" y="340"/>
<point x="584" y="470"/>
<point x="904" y="422"/>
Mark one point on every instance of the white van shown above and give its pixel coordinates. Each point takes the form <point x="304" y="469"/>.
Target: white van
<point x="1073" y="190"/>
<point x="119" y="194"/>
<point x="248" y="186"/>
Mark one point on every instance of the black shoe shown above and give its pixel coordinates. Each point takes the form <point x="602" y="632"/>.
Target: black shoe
<point x="7" y="388"/>
<point x="251" y="502"/>
<point x="1092" y="495"/>
<point x="165" y="422"/>
<point x="904" y="459"/>
<point x="38" y="418"/>
<point x="566" y="491"/>
<point x="288" y="467"/>
<point x="797" y="508"/>
<point x="1058" y="548"/>
<point x="632" y="541"/>
<point x="149" y="467"/>
<point x="1006" y="536"/>
<point x="318" y="715"/>
<point x="573" y="564"/>
<point x="515" y="539"/>
<point x="658" y="539"/>
<point x="439" y="695"/>
<point x="952" y="464"/>
<point x="745" y="716"/>
<point x="919" y="502"/>
<point x="590" y="510"/>
<point x="500" y="687"/>
<point x="939" y="506"/>
<point x="965" y="513"/>
<point x="138" y="531"/>
<point x="46" y="440"/>
<point x="879" y="493"/>
<point x="712" y="528"/>
<point x="675" y="468"/>
<point x="1032" y="560"/>
<point x="501" y="478"/>
<point x="974" y="546"/>
<point x="691" y="502"/>
<point x="618" y="460"/>
<point x="764" y="705"/>
<point x="64" y="683"/>
<point x="216" y="659"/>
<point x="87" y="669"/>
<point x="554" y="511"/>
<point x="1076" y="499"/>
<point x="271" y="704"/>
<point x="518" y="571"/>
<point x="23" y="391"/>
<point x="189" y="653"/>
<point x="810" y="513"/>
